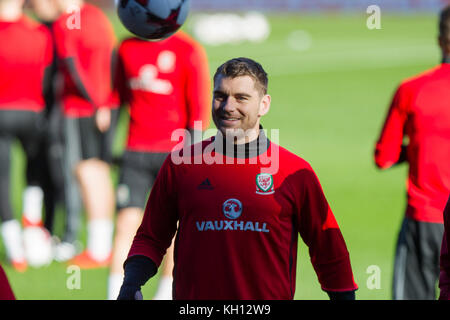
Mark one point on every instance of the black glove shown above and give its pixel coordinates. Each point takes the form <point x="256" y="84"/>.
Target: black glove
<point x="130" y="293"/>
<point x="345" y="295"/>
<point x="138" y="269"/>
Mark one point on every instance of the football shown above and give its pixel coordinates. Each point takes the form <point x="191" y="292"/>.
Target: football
<point x="153" y="19"/>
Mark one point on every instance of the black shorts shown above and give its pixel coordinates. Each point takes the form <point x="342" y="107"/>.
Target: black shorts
<point x="83" y="136"/>
<point x="138" y="173"/>
<point x="28" y="128"/>
<point x="416" y="267"/>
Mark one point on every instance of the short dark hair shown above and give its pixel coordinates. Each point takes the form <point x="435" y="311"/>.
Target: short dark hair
<point x="239" y="67"/>
<point x="444" y="24"/>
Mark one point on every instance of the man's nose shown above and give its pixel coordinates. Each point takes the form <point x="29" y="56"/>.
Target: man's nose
<point x="228" y="105"/>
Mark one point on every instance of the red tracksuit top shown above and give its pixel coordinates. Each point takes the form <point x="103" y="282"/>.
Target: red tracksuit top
<point x="238" y="226"/>
<point x="25" y="52"/>
<point x="91" y="45"/>
<point x="6" y="292"/>
<point x="167" y="87"/>
<point x="420" y="110"/>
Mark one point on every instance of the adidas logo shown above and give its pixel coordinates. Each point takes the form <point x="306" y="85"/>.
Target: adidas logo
<point x="205" y="185"/>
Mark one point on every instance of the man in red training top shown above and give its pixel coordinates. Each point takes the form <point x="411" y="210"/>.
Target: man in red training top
<point x="238" y="218"/>
<point x="6" y="293"/>
<point x="26" y="53"/>
<point x="444" y="277"/>
<point x="85" y="44"/>
<point x="167" y="87"/>
<point x="420" y="111"/>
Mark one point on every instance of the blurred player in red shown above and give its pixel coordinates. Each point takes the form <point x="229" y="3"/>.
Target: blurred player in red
<point x="237" y="202"/>
<point x="420" y="111"/>
<point x="166" y="85"/>
<point x="6" y="292"/>
<point x="59" y="189"/>
<point x="85" y="43"/>
<point x="444" y="277"/>
<point x="50" y="160"/>
<point x="25" y="57"/>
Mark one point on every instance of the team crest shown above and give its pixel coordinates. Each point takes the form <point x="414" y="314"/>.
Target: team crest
<point x="232" y="208"/>
<point x="264" y="183"/>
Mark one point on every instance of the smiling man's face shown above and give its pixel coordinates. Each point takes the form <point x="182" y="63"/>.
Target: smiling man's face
<point x="237" y="107"/>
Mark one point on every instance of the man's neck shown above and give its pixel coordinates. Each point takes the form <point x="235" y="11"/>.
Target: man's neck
<point x="446" y="58"/>
<point x="10" y="13"/>
<point x="246" y="139"/>
<point x="240" y="137"/>
<point x="254" y="146"/>
<point x="70" y="4"/>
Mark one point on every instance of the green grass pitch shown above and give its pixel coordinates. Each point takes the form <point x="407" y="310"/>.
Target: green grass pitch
<point x="329" y="103"/>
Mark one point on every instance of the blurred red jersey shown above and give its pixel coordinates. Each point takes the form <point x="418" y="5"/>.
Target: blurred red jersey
<point x="88" y="37"/>
<point x="420" y="110"/>
<point x="26" y="51"/>
<point x="167" y="87"/>
<point x="238" y="226"/>
<point x="6" y="292"/>
<point x="444" y="277"/>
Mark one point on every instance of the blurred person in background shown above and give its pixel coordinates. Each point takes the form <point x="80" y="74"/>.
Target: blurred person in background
<point x="166" y="85"/>
<point x="85" y="43"/>
<point x="6" y="292"/>
<point x="420" y="111"/>
<point x="26" y="55"/>
<point x="444" y="276"/>
<point x="50" y="158"/>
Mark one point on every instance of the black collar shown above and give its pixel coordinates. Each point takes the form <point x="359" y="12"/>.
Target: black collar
<point x="243" y="151"/>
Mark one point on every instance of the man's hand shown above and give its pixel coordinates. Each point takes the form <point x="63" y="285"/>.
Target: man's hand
<point x="344" y="295"/>
<point x="103" y="118"/>
<point x="138" y="269"/>
<point x="403" y="155"/>
<point x="130" y="293"/>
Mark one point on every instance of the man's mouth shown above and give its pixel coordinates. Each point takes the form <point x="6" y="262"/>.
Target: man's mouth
<point x="229" y="118"/>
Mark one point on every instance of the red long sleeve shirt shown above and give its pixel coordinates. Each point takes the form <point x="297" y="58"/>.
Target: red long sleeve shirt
<point x="25" y="52"/>
<point x="6" y="292"/>
<point x="420" y="110"/>
<point x="167" y="87"/>
<point x="90" y="44"/>
<point x="238" y="227"/>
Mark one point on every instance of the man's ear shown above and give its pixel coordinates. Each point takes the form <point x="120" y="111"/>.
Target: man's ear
<point x="264" y="105"/>
<point x="441" y="43"/>
<point x="445" y="45"/>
